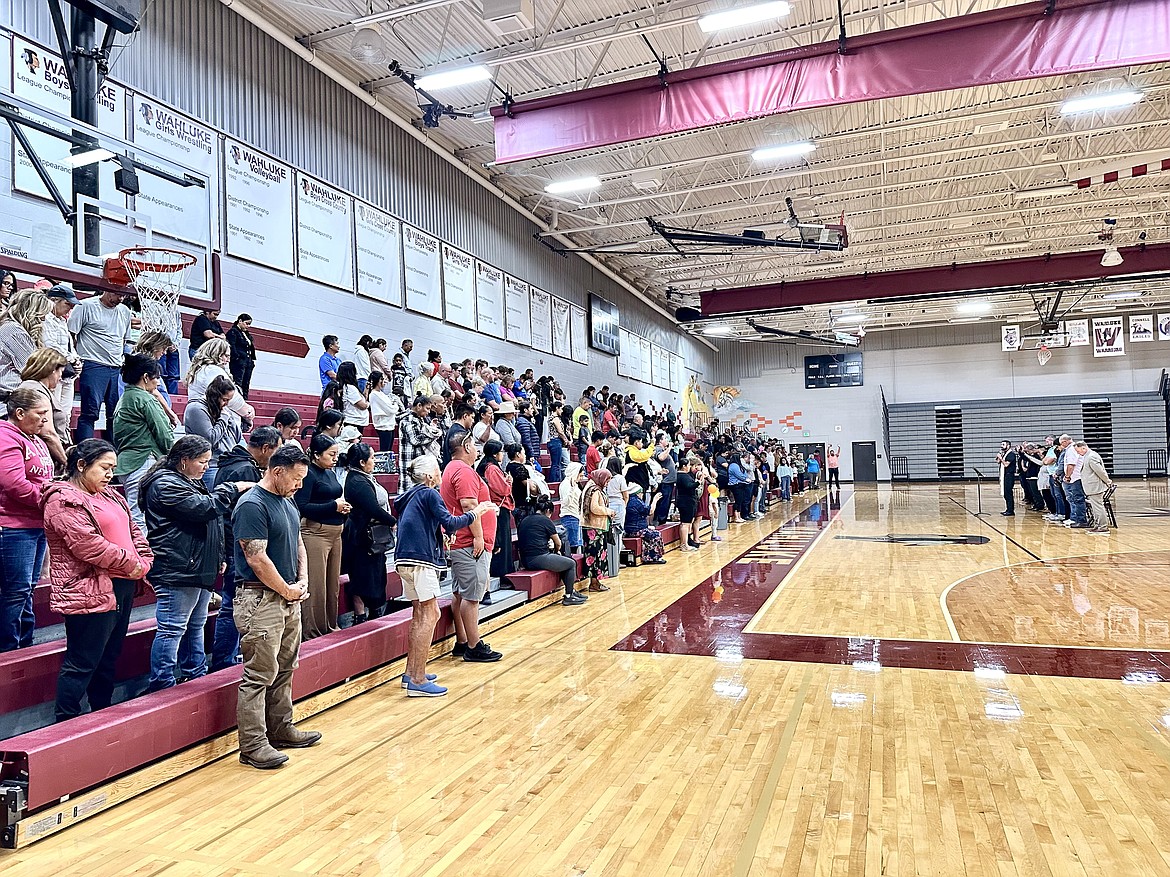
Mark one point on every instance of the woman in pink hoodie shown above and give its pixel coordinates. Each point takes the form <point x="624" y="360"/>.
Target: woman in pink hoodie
<point x="25" y="468"/>
<point x="97" y="559"/>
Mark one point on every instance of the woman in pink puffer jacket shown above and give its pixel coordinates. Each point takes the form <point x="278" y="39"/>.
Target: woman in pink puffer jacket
<point x="97" y="558"/>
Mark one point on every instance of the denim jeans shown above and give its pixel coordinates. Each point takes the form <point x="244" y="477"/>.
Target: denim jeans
<point x="786" y="487"/>
<point x="556" y="451"/>
<point x="98" y="385"/>
<point x="169" y="363"/>
<point x="181" y="615"/>
<point x="22" y="554"/>
<point x="665" y="493"/>
<point x="572" y="527"/>
<point x="209" y="477"/>
<point x="1058" y="497"/>
<point x="1076" y="500"/>
<point x="226" y="646"/>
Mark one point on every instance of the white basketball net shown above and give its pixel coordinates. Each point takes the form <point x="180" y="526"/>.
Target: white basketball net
<point x="159" y="277"/>
<point x="1043" y="354"/>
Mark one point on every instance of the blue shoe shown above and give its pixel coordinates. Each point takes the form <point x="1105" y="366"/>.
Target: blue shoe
<point x="431" y="677"/>
<point x="427" y="689"/>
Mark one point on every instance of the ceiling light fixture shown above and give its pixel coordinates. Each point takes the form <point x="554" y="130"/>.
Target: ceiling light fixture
<point x="717" y="330"/>
<point x="1093" y="103"/>
<point x="747" y="15"/>
<point x="965" y="320"/>
<point x="1121" y="296"/>
<point x="978" y="306"/>
<point x="580" y="184"/>
<point x="850" y="318"/>
<point x="786" y="150"/>
<point x="1006" y="247"/>
<point x="368" y="46"/>
<point x="454" y="78"/>
<point x="1097" y="309"/>
<point x="1111" y="258"/>
<point x="90" y="156"/>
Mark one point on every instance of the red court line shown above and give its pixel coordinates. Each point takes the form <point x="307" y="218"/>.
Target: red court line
<point x="709" y="621"/>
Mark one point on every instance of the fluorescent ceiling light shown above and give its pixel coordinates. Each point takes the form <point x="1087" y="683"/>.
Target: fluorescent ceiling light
<point x="580" y="184"/>
<point x="746" y="15"/>
<point x="717" y="330"/>
<point x="90" y="156"/>
<point x="1044" y="192"/>
<point x="786" y="150"/>
<point x="482" y="116"/>
<point x="1096" y="309"/>
<point x="965" y="320"/>
<point x="979" y="306"/>
<point x="1111" y="258"/>
<point x="1007" y="247"/>
<point x="453" y="78"/>
<point x="1121" y="296"/>
<point x="1094" y="102"/>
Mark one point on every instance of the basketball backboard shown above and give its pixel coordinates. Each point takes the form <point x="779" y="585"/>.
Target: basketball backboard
<point x="155" y="187"/>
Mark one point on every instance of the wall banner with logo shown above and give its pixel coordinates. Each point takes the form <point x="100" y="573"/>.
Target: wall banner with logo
<point x="1141" y="328"/>
<point x="489" y="293"/>
<point x="259" y="192"/>
<point x="541" y="318"/>
<point x="421" y="268"/>
<point x="458" y="287"/>
<point x="324" y="233"/>
<point x="579" y="330"/>
<point x="562" y="333"/>
<point x="518" y="310"/>
<point x="1108" y="337"/>
<point x="378" y="237"/>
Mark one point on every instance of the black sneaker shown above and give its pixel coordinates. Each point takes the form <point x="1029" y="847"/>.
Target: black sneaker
<point x="460" y="650"/>
<point x="487" y="599"/>
<point x="481" y="654"/>
<point x="574" y="599"/>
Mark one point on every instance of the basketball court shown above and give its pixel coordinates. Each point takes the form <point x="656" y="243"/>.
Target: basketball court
<point x="900" y="707"/>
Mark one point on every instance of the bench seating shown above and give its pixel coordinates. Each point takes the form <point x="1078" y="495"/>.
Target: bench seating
<point x="538" y="582"/>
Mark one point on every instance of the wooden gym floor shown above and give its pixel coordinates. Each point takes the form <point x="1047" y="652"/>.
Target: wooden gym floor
<point x="808" y="697"/>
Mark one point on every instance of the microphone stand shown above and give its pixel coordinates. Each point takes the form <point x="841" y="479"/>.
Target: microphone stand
<point x="979" y="492"/>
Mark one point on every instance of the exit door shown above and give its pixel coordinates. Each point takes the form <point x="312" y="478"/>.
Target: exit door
<point x="864" y="462"/>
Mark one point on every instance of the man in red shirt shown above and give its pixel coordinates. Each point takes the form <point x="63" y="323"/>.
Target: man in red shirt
<point x="593" y="453"/>
<point x="462" y="490"/>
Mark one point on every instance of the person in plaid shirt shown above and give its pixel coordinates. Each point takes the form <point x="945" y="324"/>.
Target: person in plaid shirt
<point x="417" y="436"/>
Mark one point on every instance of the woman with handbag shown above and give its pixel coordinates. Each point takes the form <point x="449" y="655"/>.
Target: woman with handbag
<point x="597" y="517"/>
<point x="367" y="535"/>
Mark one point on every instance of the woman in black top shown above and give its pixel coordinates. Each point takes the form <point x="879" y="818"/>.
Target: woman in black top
<point x="323" y="514"/>
<point x="204" y="327"/>
<point x="686" y="499"/>
<point x="369" y="505"/>
<point x="522" y="487"/>
<point x="243" y="352"/>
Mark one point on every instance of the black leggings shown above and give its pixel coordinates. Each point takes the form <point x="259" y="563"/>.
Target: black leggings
<point x="743" y="499"/>
<point x="93" y="642"/>
<point x="834" y="477"/>
<point x="558" y="563"/>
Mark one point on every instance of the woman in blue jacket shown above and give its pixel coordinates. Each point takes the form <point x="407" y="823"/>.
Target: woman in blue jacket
<point x="418" y="557"/>
<point x="740" y="484"/>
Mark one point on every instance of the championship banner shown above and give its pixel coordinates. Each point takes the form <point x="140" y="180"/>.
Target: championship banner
<point x="676" y="373"/>
<point x="579" y="330"/>
<point x="540" y="312"/>
<point x="1141" y="328"/>
<point x="628" y="355"/>
<point x="421" y="265"/>
<point x="179" y="212"/>
<point x="1009" y="338"/>
<point x="379" y="254"/>
<point x="259" y="193"/>
<point x="459" y="287"/>
<point x="39" y="77"/>
<point x="562" y="334"/>
<point x="489" y="294"/>
<point x="1164" y="327"/>
<point x="645" y="361"/>
<point x="1108" y="337"/>
<point x="517" y="310"/>
<point x="324" y="233"/>
<point x="1078" y="332"/>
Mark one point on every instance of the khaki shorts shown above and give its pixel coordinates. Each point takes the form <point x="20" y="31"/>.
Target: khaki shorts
<point x="419" y="582"/>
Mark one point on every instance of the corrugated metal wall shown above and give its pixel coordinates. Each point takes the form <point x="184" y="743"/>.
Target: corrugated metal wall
<point x="204" y="59"/>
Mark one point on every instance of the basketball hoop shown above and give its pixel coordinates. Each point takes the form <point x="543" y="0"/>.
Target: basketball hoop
<point x="1043" y="355"/>
<point x="158" y="276"/>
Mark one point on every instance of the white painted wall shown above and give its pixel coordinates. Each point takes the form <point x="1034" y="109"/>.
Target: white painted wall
<point x="939" y="374"/>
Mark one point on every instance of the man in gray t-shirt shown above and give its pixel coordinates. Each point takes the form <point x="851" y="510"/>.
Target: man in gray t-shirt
<point x="272" y="580"/>
<point x="101" y="325"/>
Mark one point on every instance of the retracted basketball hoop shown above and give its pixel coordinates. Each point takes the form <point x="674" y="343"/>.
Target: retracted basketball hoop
<point x="158" y="275"/>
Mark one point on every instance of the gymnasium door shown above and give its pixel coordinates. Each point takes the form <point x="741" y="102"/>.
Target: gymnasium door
<point x="864" y="462"/>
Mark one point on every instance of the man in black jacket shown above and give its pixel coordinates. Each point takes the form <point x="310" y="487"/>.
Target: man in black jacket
<point x="244" y="462"/>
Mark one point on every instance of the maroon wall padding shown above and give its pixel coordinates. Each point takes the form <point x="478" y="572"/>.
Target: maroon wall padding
<point x="67" y="758"/>
<point x="999" y="274"/>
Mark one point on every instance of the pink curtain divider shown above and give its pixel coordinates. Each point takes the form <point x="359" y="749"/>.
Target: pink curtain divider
<point x="961" y="53"/>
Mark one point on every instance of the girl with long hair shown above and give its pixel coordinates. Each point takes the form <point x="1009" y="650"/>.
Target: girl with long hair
<point x="499" y="483"/>
<point x="212" y="419"/>
<point x="355" y="408"/>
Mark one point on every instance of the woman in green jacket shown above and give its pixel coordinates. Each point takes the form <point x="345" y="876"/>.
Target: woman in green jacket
<point x="142" y="430"/>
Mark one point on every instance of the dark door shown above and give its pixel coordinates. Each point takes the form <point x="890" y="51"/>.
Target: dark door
<point x="864" y="462"/>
